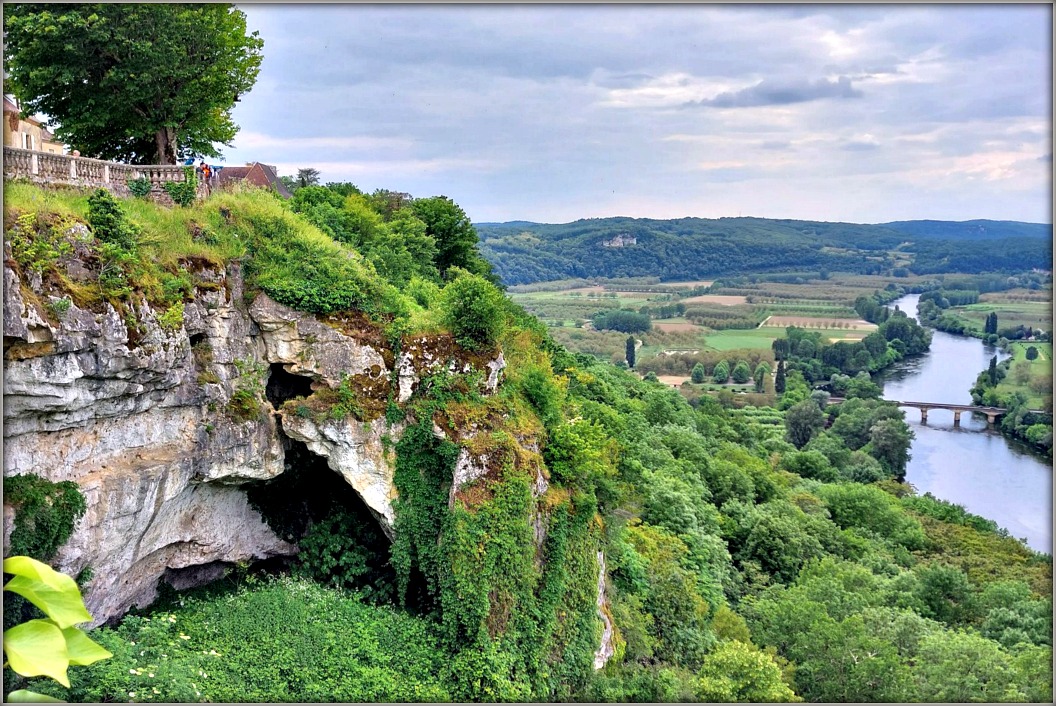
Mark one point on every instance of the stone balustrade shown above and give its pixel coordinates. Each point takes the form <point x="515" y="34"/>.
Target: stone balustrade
<point x="46" y="168"/>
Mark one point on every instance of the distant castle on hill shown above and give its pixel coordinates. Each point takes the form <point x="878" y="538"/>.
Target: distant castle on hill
<point x="620" y="241"/>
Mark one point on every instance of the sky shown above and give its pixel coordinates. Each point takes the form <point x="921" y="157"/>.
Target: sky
<point x="552" y="113"/>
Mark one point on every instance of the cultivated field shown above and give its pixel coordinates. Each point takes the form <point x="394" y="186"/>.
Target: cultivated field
<point x="724" y="300"/>
<point x="819" y="323"/>
<point x="670" y="325"/>
<point x="673" y="380"/>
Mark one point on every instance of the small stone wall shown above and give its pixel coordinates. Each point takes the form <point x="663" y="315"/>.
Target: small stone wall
<point x="87" y="173"/>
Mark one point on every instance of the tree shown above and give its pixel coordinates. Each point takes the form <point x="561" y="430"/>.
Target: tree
<point x="473" y="309"/>
<point x="779" y="380"/>
<point x="140" y="83"/>
<point x="889" y="442"/>
<point x="741" y="373"/>
<point x="738" y="672"/>
<point x="780" y="347"/>
<point x="721" y="372"/>
<point x="991" y="323"/>
<point x="631" y="344"/>
<point x="456" y="239"/>
<point x="762" y="372"/>
<point x="991" y="372"/>
<point x="308" y="176"/>
<point x="802" y="421"/>
<point x="1032" y="353"/>
<point x="698" y="374"/>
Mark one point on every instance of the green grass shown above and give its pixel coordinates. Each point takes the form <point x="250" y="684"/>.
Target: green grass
<point x="1033" y="314"/>
<point x="1038" y="387"/>
<point x="760" y="338"/>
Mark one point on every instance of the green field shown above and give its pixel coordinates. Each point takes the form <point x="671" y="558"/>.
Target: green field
<point x="762" y="338"/>
<point x="1009" y="313"/>
<point x="1032" y="378"/>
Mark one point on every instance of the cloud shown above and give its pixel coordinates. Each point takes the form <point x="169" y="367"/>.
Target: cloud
<point x="258" y="141"/>
<point x="860" y="144"/>
<point x="866" y="113"/>
<point x="777" y="92"/>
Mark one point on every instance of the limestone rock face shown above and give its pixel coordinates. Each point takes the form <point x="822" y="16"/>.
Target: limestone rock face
<point x="309" y="347"/>
<point x="356" y="451"/>
<point x="139" y="416"/>
<point x="135" y="416"/>
<point x="606" y="648"/>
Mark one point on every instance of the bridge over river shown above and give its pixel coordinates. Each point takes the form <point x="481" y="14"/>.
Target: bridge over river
<point x="992" y="413"/>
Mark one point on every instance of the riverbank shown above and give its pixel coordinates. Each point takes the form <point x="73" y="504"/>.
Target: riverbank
<point x="969" y="464"/>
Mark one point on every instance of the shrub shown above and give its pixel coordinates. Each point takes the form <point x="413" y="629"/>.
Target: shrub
<point x="109" y="222"/>
<point x="172" y="318"/>
<point x="45" y="514"/>
<point x="473" y="310"/>
<point x="183" y="192"/>
<point x="285" y="640"/>
<point x="245" y="401"/>
<point x="140" y="187"/>
<point x="59" y="307"/>
<point x="35" y="245"/>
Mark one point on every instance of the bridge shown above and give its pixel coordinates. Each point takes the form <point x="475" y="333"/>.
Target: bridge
<point x="992" y="413"/>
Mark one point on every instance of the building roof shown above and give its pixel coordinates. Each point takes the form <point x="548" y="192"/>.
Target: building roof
<point x="255" y="173"/>
<point x="11" y="108"/>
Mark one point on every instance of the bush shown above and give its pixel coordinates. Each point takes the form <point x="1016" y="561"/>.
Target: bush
<point x="285" y="640"/>
<point x="140" y="187"/>
<point x="183" y="192"/>
<point x="473" y="309"/>
<point x="45" y="514"/>
<point x="172" y="318"/>
<point x="109" y="223"/>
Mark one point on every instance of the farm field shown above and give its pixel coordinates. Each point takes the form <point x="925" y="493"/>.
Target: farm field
<point x="1033" y="378"/>
<point x="723" y="299"/>
<point x="819" y="323"/>
<point x="673" y="380"/>
<point x="676" y="325"/>
<point x="1036" y="314"/>
<point x="725" y="315"/>
<point x="762" y="338"/>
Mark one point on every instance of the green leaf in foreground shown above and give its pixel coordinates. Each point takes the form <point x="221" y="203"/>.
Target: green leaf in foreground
<point x="24" y="696"/>
<point x="81" y="649"/>
<point x="54" y="593"/>
<point x="36" y="648"/>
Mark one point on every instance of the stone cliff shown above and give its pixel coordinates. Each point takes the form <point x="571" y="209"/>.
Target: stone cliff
<point x="140" y="416"/>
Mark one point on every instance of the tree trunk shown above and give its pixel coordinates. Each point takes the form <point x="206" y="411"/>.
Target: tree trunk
<point x="165" y="146"/>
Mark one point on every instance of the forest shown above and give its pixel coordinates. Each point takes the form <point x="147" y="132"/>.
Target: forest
<point x="746" y="557"/>
<point x="692" y="248"/>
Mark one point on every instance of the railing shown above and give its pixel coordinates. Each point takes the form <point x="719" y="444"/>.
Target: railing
<point x="85" y="171"/>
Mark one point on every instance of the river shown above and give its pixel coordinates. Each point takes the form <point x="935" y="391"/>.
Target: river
<point x="976" y="467"/>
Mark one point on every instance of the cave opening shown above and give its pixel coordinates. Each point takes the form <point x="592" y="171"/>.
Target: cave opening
<point x="284" y="385"/>
<point x="341" y="541"/>
<point x="197" y="338"/>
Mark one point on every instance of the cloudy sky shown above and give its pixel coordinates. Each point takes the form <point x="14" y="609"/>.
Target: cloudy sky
<point x="554" y="113"/>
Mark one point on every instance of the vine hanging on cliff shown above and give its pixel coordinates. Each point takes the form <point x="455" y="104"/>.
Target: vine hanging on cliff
<point x="45" y="514"/>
